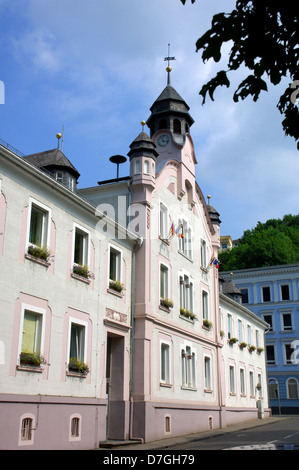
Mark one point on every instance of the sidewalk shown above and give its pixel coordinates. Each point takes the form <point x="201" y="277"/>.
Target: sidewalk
<point x="172" y="441"/>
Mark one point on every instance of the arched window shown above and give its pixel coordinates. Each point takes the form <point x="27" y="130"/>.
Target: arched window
<point x="273" y="389"/>
<point x="75" y="427"/>
<point x="177" y="126"/>
<point x="162" y="124"/>
<point x="26" y="429"/>
<point x="167" y="425"/>
<point x="292" y="387"/>
<point x="137" y="167"/>
<point x="26" y="433"/>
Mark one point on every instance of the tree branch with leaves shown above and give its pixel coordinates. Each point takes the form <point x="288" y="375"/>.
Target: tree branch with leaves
<point x="265" y="39"/>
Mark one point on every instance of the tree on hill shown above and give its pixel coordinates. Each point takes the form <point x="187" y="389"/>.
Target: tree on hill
<point x="265" y="37"/>
<point x="271" y="243"/>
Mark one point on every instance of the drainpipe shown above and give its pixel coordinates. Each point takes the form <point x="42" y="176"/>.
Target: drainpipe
<point x="138" y="244"/>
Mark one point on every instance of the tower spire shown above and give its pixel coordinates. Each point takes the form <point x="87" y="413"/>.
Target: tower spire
<point x="168" y="68"/>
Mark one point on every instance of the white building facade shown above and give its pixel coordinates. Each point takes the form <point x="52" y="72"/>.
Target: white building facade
<point x="65" y="331"/>
<point x="245" y="376"/>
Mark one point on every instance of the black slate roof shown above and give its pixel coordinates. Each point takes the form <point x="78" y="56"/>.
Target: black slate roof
<point x="51" y="159"/>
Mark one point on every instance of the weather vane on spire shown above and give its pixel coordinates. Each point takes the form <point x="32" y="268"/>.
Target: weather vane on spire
<point x="168" y="68"/>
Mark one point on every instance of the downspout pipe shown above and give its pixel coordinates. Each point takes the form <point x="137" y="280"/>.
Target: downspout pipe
<point x="138" y="244"/>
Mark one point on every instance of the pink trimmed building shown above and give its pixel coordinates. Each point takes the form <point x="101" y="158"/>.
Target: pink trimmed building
<point x="117" y="329"/>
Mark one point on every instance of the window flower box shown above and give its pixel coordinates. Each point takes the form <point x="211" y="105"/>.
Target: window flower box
<point x="77" y="366"/>
<point x="31" y="359"/>
<point x="82" y="271"/>
<point x="221" y="334"/>
<point x="243" y="345"/>
<point x="259" y="350"/>
<point x="167" y="303"/>
<point x="116" y="285"/>
<point x="187" y="313"/>
<point x="207" y="324"/>
<point x="251" y="348"/>
<point x="42" y="253"/>
<point x="233" y="340"/>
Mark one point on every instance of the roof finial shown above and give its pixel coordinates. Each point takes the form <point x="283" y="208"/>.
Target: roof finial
<point x="168" y="68"/>
<point x="143" y="124"/>
<point x="58" y="135"/>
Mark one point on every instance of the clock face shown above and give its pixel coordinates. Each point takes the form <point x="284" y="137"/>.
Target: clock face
<point x="163" y="140"/>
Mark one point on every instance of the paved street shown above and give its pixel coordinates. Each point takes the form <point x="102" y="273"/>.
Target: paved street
<point x="280" y="435"/>
<point x="274" y="433"/>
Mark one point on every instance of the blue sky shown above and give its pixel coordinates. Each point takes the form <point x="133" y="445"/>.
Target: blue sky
<point x="96" y="67"/>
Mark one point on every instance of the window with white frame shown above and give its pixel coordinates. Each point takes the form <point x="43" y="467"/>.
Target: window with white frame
<point x="165" y="363"/>
<point x="185" y="238"/>
<point x="288" y="351"/>
<point x="203" y="253"/>
<point x="232" y="385"/>
<point x="75" y="427"/>
<point x="240" y="331"/>
<point x="285" y="292"/>
<point x="26" y="429"/>
<point x="229" y="326"/>
<point x="39" y="224"/>
<point x="249" y="335"/>
<point x="59" y="176"/>
<point x="268" y="318"/>
<point x="207" y="371"/>
<point x="188" y="367"/>
<point x="292" y="388"/>
<point x="205" y="305"/>
<point x="266" y="294"/>
<point x="245" y="295"/>
<point x="137" y="167"/>
<point x="32" y="336"/>
<point x="115" y="256"/>
<point x="164" y="281"/>
<point x="32" y="330"/>
<point x="286" y="321"/>
<point x="186" y="293"/>
<point x="251" y="383"/>
<point x="77" y="344"/>
<point x="146" y="167"/>
<point x="242" y="381"/>
<point x="81" y="246"/>
<point x="163" y="221"/>
<point x="26" y="432"/>
<point x="257" y="338"/>
<point x="270" y="354"/>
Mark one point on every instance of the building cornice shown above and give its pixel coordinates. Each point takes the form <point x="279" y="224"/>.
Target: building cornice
<point x="71" y="196"/>
<point x="243" y="309"/>
<point x="256" y="272"/>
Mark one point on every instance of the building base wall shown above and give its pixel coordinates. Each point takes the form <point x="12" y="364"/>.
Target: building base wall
<point x="154" y="421"/>
<point x="51" y="418"/>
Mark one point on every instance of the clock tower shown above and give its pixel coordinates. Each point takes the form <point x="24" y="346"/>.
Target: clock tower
<point x="169" y="125"/>
<point x="170" y="112"/>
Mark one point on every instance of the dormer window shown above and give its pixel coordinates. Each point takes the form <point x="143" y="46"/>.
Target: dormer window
<point x="65" y="178"/>
<point x="59" y="177"/>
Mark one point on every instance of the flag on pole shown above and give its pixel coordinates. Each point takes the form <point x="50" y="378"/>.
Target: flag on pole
<point x="214" y="262"/>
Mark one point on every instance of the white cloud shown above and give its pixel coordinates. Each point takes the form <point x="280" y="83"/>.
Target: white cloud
<point x="37" y="49"/>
